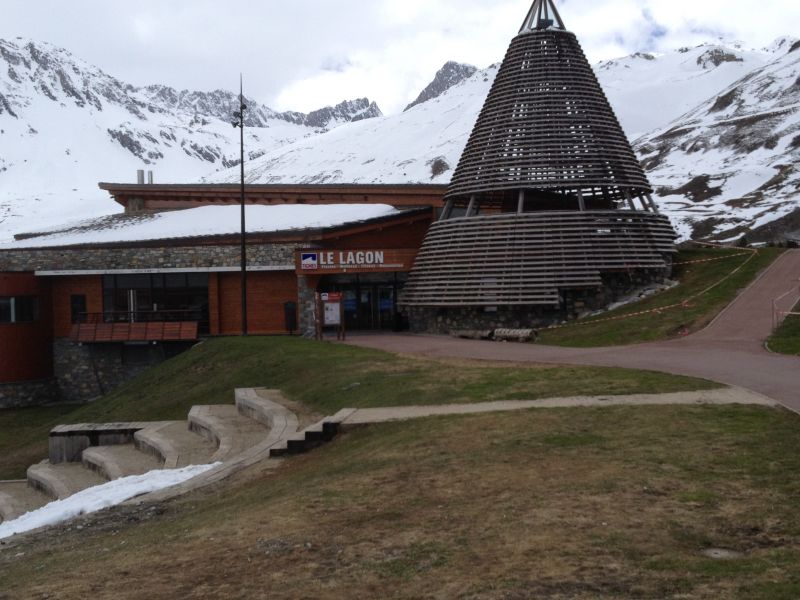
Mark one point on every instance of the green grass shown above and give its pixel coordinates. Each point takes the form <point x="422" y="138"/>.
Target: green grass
<point x="323" y="376"/>
<point x="786" y="339"/>
<point x="592" y="503"/>
<point x="675" y="322"/>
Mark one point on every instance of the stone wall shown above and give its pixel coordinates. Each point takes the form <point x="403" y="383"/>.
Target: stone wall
<point x="168" y="257"/>
<point x="447" y="320"/>
<point x="28" y="393"/>
<point x="88" y="371"/>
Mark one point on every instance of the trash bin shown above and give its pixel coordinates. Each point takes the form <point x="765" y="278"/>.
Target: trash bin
<point x="290" y="316"/>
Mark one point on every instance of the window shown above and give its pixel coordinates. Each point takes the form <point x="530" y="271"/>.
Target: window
<point x="77" y="308"/>
<point x="19" y="309"/>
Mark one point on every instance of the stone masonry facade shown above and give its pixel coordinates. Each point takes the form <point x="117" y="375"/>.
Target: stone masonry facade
<point x="28" y="393"/>
<point x="450" y="320"/>
<point x="163" y="257"/>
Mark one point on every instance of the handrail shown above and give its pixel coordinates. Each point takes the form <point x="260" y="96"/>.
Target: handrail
<point x="140" y="316"/>
<point x="779" y="315"/>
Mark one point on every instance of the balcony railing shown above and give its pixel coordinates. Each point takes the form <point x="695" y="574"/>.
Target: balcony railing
<point x="137" y="326"/>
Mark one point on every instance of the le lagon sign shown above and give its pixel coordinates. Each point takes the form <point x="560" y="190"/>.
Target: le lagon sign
<point x="321" y="261"/>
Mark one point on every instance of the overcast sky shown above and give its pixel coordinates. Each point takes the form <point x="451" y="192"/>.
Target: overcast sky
<point x="305" y="54"/>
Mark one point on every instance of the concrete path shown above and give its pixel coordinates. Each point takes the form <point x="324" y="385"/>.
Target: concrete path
<point x="361" y="416"/>
<point x="730" y="350"/>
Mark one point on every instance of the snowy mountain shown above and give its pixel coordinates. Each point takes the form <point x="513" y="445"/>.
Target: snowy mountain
<point x="730" y="165"/>
<point x="653" y="94"/>
<point x="716" y="127"/>
<point x="450" y="74"/>
<point x="65" y="125"/>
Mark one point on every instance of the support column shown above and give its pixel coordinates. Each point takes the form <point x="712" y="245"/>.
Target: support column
<point x="653" y="205"/>
<point x="629" y="200"/>
<point x="581" y="203"/>
<point x="471" y="206"/>
<point x="448" y="208"/>
<point x="521" y="202"/>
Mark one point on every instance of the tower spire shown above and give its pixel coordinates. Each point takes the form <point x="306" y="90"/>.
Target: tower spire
<point x="542" y="15"/>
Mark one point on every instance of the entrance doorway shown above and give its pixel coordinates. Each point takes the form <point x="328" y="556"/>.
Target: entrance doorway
<point x="369" y="300"/>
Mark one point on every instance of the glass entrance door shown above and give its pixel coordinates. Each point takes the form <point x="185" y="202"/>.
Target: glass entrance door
<point x="370" y="302"/>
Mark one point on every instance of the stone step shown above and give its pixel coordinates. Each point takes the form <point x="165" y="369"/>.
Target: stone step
<point x="230" y="431"/>
<point x="113" y="462"/>
<point x="18" y="498"/>
<point x="312" y="436"/>
<point x="175" y="444"/>
<point x="264" y="406"/>
<point x="63" y="480"/>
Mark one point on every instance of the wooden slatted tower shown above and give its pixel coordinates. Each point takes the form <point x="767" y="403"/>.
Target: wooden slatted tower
<point x="548" y="201"/>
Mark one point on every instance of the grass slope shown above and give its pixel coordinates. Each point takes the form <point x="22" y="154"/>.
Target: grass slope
<point x="786" y="339"/>
<point x="676" y="322"/>
<point x="323" y="376"/>
<point x="617" y="502"/>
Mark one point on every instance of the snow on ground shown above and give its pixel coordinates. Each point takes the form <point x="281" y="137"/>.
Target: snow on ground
<point x="99" y="497"/>
<point x="204" y="221"/>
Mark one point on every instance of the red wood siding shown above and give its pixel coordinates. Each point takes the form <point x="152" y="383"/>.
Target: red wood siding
<point x="266" y="294"/>
<point x="26" y="349"/>
<point x="63" y="287"/>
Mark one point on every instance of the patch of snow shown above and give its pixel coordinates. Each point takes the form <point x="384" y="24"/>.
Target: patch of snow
<point x="99" y="497"/>
<point x="204" y="221"/>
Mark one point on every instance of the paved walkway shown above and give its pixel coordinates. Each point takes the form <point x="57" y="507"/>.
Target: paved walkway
<point x="729" y="351"/>
<point x="362" y="416"/>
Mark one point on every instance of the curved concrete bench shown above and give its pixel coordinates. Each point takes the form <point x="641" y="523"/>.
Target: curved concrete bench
<point x="264" y="406"/>
<point x="61" y="481"/>
<point x="224" y="426"/>
<point x="113" y="462"/>
<point x="249" y="400"/>
<point x="17" y="498"/>
<point x="174" y="444"/>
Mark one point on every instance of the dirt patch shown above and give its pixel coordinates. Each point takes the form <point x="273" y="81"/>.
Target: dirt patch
<point x="697" y="190"/>
<point x="725" y="100"/>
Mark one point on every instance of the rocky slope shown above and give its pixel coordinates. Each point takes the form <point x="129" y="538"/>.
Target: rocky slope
<point x="730" y="165"/>
<point x="450" y="74"/>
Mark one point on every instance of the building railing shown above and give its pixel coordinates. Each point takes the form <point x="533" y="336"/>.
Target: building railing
<point x="783" y="306"/>
<point x="141" y="316"/>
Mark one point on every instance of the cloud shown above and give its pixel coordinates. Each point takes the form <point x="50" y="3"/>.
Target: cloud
<point x="307" y="53"/>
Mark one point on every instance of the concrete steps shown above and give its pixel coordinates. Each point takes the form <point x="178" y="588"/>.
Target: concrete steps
<point x="253" y="429"/>
<point x="312" y="436"/>
<point x="113" y="462"/>
<point x="17" y="498"/>
<point x="224" y="426"/>
<point x="175" y="445"/>
<point x="63" y="480"/>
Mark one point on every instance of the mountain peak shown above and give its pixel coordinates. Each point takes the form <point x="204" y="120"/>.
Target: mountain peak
<point x="452" y="73"/>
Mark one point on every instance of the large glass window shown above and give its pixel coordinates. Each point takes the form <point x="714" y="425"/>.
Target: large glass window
<point x="19" y="309"/>
<point x="157" y="297"/>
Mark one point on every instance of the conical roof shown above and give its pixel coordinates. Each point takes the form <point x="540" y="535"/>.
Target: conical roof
<point x="547" y="126"/>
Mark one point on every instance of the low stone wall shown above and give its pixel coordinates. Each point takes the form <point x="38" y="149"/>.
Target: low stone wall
<point x="447" y="320"/>
<point x="28" y="393"/>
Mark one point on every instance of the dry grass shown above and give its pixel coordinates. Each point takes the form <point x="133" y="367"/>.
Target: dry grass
<point x="568" y="503"/>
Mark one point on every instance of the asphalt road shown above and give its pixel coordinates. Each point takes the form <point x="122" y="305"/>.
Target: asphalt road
<point x="730" y="350"/>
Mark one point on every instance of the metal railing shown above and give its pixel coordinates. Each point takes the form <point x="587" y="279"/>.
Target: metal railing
<point x="141" y="316"/>
<point x="778" y="313"/>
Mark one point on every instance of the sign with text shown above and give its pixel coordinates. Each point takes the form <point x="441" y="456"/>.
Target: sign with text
<point x="321" y="261"/>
